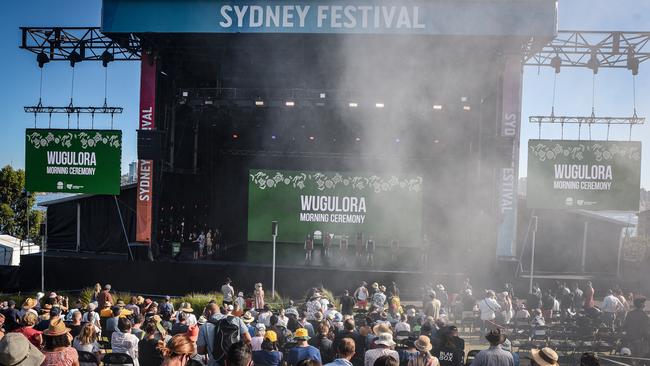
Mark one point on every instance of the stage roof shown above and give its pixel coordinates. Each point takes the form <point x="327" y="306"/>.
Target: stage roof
<point x="433" y="17"/>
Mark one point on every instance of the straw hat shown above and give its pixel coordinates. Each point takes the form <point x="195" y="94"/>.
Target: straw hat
<point x="29" y="303"/>
<point x="57" y="327"/>
<point x="16" y="350"/>
<point x="381" y="328"/>
<point x="423" y="344"/>
<point x="248" y="317"/>
<point x="544" y="356"/>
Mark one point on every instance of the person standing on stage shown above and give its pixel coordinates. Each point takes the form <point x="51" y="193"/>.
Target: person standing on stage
<point x="309" y="248"/>
<point x="424" y="250"/>
<point x="208" y="243"/>
<point x="343" y="247"/>
<point x="228" y="292"/>
<point x="327" y="241"/>
<point x="370" y="249"/>
<point x="394" y="248"/>
<point x="359" y="244"/>
<point x="361" y="294"/>
<point x="201" y="240"/>
<point x="259" y="296"/>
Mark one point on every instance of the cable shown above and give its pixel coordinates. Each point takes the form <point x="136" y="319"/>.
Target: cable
<point x="554" y="91"/>
<point x="72" y="87"/>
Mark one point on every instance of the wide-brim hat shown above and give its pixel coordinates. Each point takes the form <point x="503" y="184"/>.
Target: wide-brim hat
<point x="46" y="308"/>
<point x="186" y="307"/>
<point x="301" y="333"/>
<point x="16" y="350"/>
<point x="495" y="336"/>
<point x="29" y="303"/>
<point x="381" y="328"/>
<point x="385" y="339"/>
<point x="248" y="317"/>
<point x="544" y="357"/>
<point x="423" y="344"/>
<point x="57" y="327"/>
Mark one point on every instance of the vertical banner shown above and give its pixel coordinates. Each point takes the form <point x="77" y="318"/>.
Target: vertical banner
<point x="145" y="167"/>
<point x="507" y="175"/>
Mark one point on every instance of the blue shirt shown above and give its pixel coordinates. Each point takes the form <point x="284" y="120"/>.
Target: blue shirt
<point x="493" y="356"/>
<point x="339" y="362"/>
<point x="297" y="354"/>
<point x="266" y="358"/>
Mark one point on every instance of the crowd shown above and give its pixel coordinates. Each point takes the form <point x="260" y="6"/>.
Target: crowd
<point x="367" y="326"/>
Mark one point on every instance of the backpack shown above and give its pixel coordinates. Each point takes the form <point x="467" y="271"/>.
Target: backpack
<point x="226" y="333"/>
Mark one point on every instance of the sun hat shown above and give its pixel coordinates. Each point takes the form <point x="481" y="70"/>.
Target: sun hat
<point x="423" y="344"/>
<point x="53" y="295"/>
<point x="57" y="327"/>
<point x="260" y="327"/>
<point x="271" y="336"/>
<point x="92" y="306"/>
<point x="39" y="295"/>
<point x="291" y="311"/>
<point x="385" y="339"/>
<point x="381" y="328"/>
<point x="16" y="350"/>
<point x="29" y="303"/>
<point x="248" y="317"/>
<point x="544" y="356"/>
<point x="186" y="307"/>
<point x="625" y="351"/>
<point x="301" y="333"/>
<point x="240" y="294"/>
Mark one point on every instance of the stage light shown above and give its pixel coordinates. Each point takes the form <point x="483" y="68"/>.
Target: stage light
<point x="235" y="136"/>
<point x="311" y="138"/>
<point x="273" y="137"/>
<point x="320" y="104"/>
<point x="358" y="139"/>
<point x="463" y="99"/>
<point x="290" y="103"/>
<point x="208" y="102"/>
<point x="466" y="108"/>
<point x="436" y="141"/>
<point x="379" y="105"/>
<point x="353" y="105"/>
<point x="437" y="107"/>
<point x="323" y="95"/>
<point x="397" y="141"/>
<point x="185" y="94"/>
<point x="259" y="103"/>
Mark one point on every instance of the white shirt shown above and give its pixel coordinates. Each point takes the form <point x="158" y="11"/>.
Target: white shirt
<point x="265" y="318"/>
<point x="228" y="292"/>
<point x="125" y="343"/>
<point x="362" y="293"/>
<point x="488" y="308"/>
<point x="402" y="327"/>
<point x="372" y="355"/>
<point x="611" y="304"/>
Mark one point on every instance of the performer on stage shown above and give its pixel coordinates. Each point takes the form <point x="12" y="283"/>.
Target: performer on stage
<point x="370" y="249"/>
<point x="343" y="247"/>
<point x="309" y="248"/>
<point x="359" y="244"/>
<point x="394" y="249"/>
<point x="424" y="252"/>
<point x="362" y="294"/>
<point x="327" y="241"/>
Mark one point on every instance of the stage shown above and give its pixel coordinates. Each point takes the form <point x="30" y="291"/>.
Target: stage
<point x="73" y="271"/>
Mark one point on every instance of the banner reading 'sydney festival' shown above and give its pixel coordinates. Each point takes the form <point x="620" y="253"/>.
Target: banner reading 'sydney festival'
<point x="384" y="207"/>
<point x="591" y="175"/>
<point x="75" y="161"/>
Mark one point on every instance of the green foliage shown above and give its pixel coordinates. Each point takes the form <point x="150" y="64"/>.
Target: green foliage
<point x="14" y="205"/>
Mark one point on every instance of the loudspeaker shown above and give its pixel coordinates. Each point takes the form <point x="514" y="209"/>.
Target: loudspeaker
<point x="150" y="145"/>
<point x="274" y="228"/>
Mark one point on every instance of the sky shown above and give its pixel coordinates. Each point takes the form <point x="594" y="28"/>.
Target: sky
<point x="20" y="75"/>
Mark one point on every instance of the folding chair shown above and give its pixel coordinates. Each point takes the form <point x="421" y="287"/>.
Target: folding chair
<point x="117" y="359"/>
<point x="87" y="359"/>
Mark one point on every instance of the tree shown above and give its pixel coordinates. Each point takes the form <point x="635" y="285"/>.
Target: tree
<point x="14" y="203"/>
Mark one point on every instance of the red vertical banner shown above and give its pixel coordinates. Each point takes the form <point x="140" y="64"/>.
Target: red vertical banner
<point x="145" y="167"/>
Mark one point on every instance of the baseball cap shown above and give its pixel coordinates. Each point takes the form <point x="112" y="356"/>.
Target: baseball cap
<point x="301" y="333"/>
<point x="271" y="336"/>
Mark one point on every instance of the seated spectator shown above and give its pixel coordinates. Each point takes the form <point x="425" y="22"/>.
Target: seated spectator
<point x="409" y="353"/>
<point x="345" y="350"/>
<point x="386" y="360"/>
<point x="111" y="323"/>
<point x="16" y="350"/>
<point x="384" y="347"/>
<point x="178" y="351"/>
<point x="537" y="320"/>
<point x="75" y="324"/>
<point x="448" y="351"/>
<point x="56" y="346"/>
<point x="256" y="341"/>
<point x="91" y="316"/>
<point x="303" y="350"/>
<point x="181" y="325"/>
<point x="27" y="328"/>
<point x="239" y="354"/>
<point x="49" y="314"/>
<point x="138" y="320"/>
<point x="323" y="343"/>
<point x="424" y="358"/>
<point x="494" y="355"/>
<point x="86" y="340"/>
<point x="122" y="341"/>
<point x="269" y="354"/>
<point x="148" y="352"/>
<point x="543" y="357"/>
<point x="402" y="326"/>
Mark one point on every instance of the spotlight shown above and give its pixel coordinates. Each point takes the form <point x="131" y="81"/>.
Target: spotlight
<point x="466" y="108"/>
<point x="358" y="139"/>
<point x="42" y="59"/>
<point x="259" y="103"/>
<point x="235" y="136"/>
<point x="379" y="105"/>
<point x="185" y="94"/>
<point x="353" y="104"/>
<point x="437" y="107"/>
<point x="107" y="57"/>
<point x="208" y="102"/>
<point x="311" y="138"/>
<point x="323" y="95"/>
<point x="463" y="99"/>
<point x="397" y="141"/>
<point x="436" y="141"/>
<point x="273" y="137"/>
<point x="290" y="103"/>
